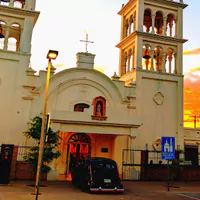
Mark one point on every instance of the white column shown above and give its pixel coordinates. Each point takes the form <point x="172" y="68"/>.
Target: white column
<point x="152" y="59"/>
<point x="176" y="27"/>
<point x="130" y="24"/>
<point x="138" y="54"/>
<point x="175" y="65"/>
<point x="140" y="15"/>
<point x="164" y="25"/>
<point x="129" y="59"/>
<point x="20" y="41"/>
<point x="133" y="58"/>
<point x="153" y="23"/>
<point x="170" y="62"/>
<point x="170" y="27"/>
<point x="163" y="62"/>
<point x="6" y="38"/>
<point x="120" y="62"/>
<point x="122" y="27"/>
<point x="180" y="22"/>
<point x="134" y="23"/>
<point x="11" y="4"/>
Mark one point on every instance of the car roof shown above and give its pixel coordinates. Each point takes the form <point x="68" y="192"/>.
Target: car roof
<point x="100" y="159"/>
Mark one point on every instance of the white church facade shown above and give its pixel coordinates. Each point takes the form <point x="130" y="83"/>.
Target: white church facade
<point x="97" y="115"/>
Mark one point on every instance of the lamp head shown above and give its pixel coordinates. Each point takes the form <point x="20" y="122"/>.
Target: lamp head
<point x="52" y="55"/>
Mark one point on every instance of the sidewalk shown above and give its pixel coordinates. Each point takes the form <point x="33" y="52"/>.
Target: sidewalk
<point x="66" y="191"/>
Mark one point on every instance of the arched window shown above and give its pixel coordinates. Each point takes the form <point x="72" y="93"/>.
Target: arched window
<point x="5" y="3"/>
<point x="99" y="104"/>
<point x="147" y="20"/>
<point x="18" y="4"/>
<point x="80" y="107"/>
<point x="171" y="26"/>
<point x="159" y="22"/>
<point x="12" y="44"/>
<point x="79" y="138"/>
<point x="15" y="33"/>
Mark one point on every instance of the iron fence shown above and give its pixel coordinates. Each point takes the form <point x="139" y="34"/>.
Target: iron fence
<point x="23" y="152"/>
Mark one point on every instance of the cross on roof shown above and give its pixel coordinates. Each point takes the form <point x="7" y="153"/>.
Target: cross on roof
<point x="86" y="41"/>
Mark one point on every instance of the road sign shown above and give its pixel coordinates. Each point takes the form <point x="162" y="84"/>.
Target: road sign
<point x="168" y="148"/>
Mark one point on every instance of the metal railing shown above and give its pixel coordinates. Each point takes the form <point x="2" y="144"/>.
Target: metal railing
<point x="23" y="152"/>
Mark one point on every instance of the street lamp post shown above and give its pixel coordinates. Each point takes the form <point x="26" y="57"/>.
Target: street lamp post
<point x="52" y="55"/>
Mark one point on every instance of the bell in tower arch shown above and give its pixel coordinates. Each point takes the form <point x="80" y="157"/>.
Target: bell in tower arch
<point x="1" y="32"/>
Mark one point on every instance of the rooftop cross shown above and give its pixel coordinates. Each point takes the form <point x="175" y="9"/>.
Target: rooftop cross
<point x="86" y="42"/>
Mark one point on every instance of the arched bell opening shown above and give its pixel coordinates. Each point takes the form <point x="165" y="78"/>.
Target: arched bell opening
<point x="158" y="58"/>
<point x="2" y="34"/>
<point x="170" y="61"/>
<point x="159" y="22"/>
<point x="127" y="27"/>
<point x="146" y="57"/>
<point x="171" y="26"/>
<point x="14" y="37"/>
<point x="147" y="24"/>
<point x="19" y="4"/>
<point x="5" y="3"/>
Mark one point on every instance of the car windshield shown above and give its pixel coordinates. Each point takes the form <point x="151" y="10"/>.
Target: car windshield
<point x="102" y="169"/>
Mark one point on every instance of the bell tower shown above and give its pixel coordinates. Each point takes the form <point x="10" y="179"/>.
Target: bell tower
<point x="151" y="54"/>
<point x="151" y="37"/>
<point x="17" y="21"/>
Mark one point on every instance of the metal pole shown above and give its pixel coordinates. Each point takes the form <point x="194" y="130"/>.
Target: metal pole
<point x="168" y="176"/>
<point x="42" y="136"/>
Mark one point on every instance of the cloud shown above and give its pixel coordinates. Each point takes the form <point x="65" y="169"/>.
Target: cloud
<point x="195" y="69"/>
<point x="192" y="52"/>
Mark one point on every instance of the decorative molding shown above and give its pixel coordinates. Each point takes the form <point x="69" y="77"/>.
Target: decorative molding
<point x="130" y="39"/>
<point x="95" y="123"/>
<point x="131" y="97"/>
<point x="169" y="3"/>
<point x="161" y="37"/>
<point x="100" y="118"/>
<point x="19" y="11"/>
<point x="35" y="93"/>
<point x="158" y="98"/>
<point x="28" y="98"/>
<point x="131" y="107"/>
<point x="126" y="7"/>
<point x="29" y="87"/>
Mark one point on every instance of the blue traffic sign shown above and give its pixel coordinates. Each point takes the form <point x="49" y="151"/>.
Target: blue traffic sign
<point x="168" y="148"/>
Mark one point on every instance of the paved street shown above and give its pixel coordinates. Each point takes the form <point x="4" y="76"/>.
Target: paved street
<point x="134" y="191"/>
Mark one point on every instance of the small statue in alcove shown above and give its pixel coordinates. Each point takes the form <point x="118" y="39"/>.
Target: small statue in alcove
<point x="99" y="109"/>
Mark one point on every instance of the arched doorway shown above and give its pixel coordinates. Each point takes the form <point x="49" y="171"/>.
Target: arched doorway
<point x="79" y="146"/>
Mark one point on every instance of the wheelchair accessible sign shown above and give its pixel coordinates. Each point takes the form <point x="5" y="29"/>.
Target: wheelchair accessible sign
<point x="168" y="148"/>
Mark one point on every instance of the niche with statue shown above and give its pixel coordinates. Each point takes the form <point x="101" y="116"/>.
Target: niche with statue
<point x="99" y="112"/>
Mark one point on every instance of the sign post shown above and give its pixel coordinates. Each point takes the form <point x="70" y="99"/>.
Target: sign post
<point x="168" y="152"/>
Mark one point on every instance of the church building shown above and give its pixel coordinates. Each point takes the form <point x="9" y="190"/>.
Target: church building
<point x="97" y="115"/>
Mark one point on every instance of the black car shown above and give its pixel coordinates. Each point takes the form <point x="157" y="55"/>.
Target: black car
<point x="97" y="175"/>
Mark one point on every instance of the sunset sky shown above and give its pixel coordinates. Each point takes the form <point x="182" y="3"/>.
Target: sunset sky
<point x="62" y="25"/>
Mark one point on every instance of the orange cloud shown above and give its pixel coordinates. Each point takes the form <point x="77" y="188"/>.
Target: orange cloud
<point x="192" y="52"/>
<point x="191" y="97"/>
<point x="195" y="69"/>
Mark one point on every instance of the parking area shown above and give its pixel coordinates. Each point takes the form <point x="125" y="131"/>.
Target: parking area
<point x="134" y="191"/>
